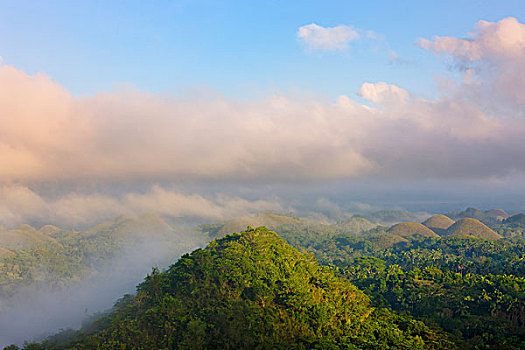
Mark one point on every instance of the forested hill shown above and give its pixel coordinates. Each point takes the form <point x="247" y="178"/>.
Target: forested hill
<point x="246" y="291"/>
<point x="423" y="283"/>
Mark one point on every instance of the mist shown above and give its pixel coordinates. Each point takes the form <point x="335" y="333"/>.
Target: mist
<point x="20" y="204"/>
<point x="38" y="311"/>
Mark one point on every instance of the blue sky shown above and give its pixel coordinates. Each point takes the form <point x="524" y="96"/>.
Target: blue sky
<point x="239" y="48"/>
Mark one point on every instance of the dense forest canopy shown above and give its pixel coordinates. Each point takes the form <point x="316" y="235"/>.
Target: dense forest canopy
<point x="251" y="290"/>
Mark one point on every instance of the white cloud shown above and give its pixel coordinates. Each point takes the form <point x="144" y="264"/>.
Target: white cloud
<point x="383" y="94"/>
<point x="48" y="135"/>
<point x="493" y="58"/>
<point x="327" y="38"/>
<point x="503" y="39"/>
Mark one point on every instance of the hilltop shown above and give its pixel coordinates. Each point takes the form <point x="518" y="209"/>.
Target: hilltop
<point x="251" y="290"/>
<point x="23" y="237"/>
<point x="411" y="230"/>
<point x="438" y="223"/>
<point x="355" y="225"/>
<point x="472" y="227"/>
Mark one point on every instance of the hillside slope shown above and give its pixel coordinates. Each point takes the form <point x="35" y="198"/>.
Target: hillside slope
<point x="472" y="227"/>
<point x="354" y="225"/>
<point x="22" y="237"/>
<point x="411" y="230"/>
<point x="246" y="291"/>
<point x="438" y="223"/>
<point x="515" y="220"/>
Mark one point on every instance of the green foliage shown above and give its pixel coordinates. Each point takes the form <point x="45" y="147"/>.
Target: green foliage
<point x="252" y="291"/>
<point x="517" y="220"/>
<point x="487" y="310"/>
<point x="70" y="256"/>
<point x="469" y="286"/>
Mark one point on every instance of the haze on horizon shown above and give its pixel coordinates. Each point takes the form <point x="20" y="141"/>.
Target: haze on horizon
<point x="225" y="109"/>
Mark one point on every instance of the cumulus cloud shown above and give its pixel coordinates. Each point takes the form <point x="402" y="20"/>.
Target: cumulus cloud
<point x="327" y="38"/>
<point x="48" y="135"/>
<point x="493" y="60"/>
<point x="383" y="94"/>
<point x="504" y="39"/>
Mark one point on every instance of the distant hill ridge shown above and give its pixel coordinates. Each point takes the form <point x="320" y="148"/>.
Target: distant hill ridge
<point x="518" y="219"/>
<point x="23" y="237"/>
<point x="488" y="217"/>
<point x="497" y="213"/>
<point x="392" y="216"/>
<point x="355" y="225"/>
<point x="270" y="220"/>
<point x="131" y="227"/>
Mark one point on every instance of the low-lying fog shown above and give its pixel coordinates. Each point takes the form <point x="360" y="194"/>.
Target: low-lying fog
<point x="37" y="313"/>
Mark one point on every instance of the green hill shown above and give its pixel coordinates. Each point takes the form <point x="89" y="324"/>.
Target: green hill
<point x="381" y="239"/>
<point x="22" y="237"/>
<point x="125" y="227"/>
<point x="355" y="225"/>
<point x="411" y="230"/>
<point x="52" y="257"/>
<point x="498" y="214"/>
<point x="472" y="227"/>
<point x="473" y="213"/>
<point x="251" y="291"/>
<point x="438" y="223"/>
<point x="49" y="230"/>
<point x="515" y="220"/>
<point x="391" y="216"/>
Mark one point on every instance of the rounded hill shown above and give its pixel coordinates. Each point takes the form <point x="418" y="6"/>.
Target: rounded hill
<point x="411" y="230"/>
<point x="23" y="237"/>
<point x="251" y="291"/>
<point x="355" y="225"/>
<point x="438" y="223"/>
<point x="49" y="229"/>
<point x="498" y="214"/>
<point x="472" y="227"/>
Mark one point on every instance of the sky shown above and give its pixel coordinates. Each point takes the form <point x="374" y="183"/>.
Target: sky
<point x="219" y="108"/>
